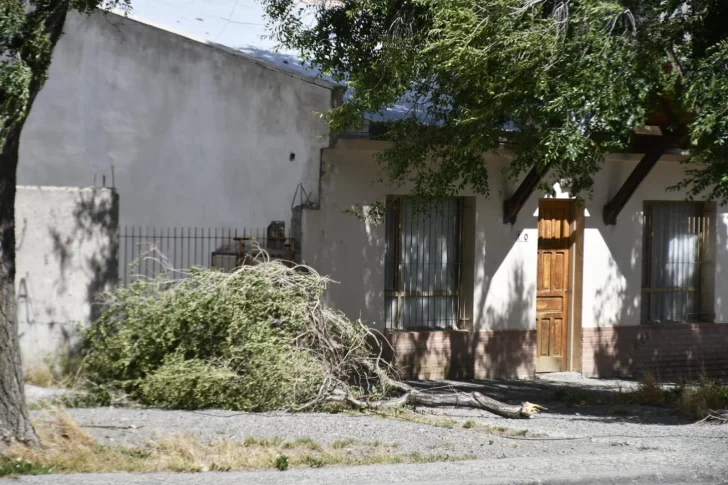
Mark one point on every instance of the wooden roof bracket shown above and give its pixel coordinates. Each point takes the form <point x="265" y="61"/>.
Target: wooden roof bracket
<point x="513" y="205"/>
<point x="654" y="152"/>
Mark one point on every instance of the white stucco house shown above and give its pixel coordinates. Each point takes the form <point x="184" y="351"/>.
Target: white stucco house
<point x="512" y="285"/>
<point x="462" y="293"/>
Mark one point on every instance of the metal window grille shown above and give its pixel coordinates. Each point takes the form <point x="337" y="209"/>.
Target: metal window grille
<point x="674" y="259"/>
<point x="186" y="247"/>
<point x="422" y="264"/>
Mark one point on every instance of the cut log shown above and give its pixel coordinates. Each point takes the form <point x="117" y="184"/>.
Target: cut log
<point x="473" y="400"/>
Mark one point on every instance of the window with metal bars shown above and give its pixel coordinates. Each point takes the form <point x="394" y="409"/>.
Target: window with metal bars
<point x="675" y="262"/>
<point x="422" y="264"/>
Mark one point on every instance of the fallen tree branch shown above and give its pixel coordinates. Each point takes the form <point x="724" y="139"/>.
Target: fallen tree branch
<point x="473" y="400"/>
<point x="720" y="415"/>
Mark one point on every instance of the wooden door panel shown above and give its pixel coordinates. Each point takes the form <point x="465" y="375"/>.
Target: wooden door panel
<point x="544" y="336"/>
<point x="552" y="299"/>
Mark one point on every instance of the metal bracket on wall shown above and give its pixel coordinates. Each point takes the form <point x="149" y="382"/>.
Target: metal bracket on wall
<point x="304" y="198"/>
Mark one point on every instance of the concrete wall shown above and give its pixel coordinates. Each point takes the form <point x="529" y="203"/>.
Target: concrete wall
<point x="65" y="256"/>
<point x="504" y="292"/>
<point x="197" y="135"/>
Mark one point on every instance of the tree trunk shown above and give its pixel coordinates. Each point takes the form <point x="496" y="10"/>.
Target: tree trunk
<point x="14" y="420"/>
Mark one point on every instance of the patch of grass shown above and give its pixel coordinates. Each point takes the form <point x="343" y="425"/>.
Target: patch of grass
<point x="19" y="466"/>
<point x="281" y="463"/>
<point x="694" y="400"/>
<point x="379" y="444"/>
<point x="470" y="424"/>
<point x="306" y="443"/>
<point x="41" y="405"/>
<point x="262" y="442"/>
<point x="68" y="449"/>
<point x="341" y="444"/>
<point x="39" y="375"/>
<point x="649" y="392"/>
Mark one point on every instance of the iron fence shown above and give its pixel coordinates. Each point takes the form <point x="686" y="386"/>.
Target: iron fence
<point x="148" y="251"/>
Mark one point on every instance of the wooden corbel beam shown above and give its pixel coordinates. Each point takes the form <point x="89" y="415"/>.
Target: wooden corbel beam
<point x="654" y="151"/>
<point x="512" y="206"/>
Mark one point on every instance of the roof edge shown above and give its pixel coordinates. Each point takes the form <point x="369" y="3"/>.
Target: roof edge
<point x="229" y="50"/>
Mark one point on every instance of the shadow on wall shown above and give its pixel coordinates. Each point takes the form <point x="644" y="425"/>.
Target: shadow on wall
<point x="67" y="269"/>
<point x="623" y="346"/>
<point x="99" y="218"/>
<point x="612" y="308"/>
<point x="510" y="350"/>
<point x="507" y="349"/>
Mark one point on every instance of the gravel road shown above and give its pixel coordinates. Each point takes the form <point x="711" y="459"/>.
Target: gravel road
<point x="582" y="444"/>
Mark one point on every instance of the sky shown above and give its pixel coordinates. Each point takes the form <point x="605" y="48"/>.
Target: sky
<point x="237" y="24"/>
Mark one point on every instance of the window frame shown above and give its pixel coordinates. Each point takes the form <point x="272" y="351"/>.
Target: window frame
<point x="398" y="278"/>
<point x="647" y="288"/>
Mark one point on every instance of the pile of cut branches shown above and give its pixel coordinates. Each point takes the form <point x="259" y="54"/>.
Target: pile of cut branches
<point x="257" y="339"/>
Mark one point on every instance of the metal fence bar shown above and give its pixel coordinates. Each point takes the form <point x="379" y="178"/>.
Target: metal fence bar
<point x="186" y="247"/>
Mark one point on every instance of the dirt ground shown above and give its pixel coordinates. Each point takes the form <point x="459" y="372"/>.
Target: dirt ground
<point x="584" y="420"/>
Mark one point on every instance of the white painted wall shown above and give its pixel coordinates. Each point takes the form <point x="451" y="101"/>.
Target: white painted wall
<point x="198" y="135"/>
<point x="613" y="254"/>
<point x="504" y="292"/>
<point x="65" y="256"/>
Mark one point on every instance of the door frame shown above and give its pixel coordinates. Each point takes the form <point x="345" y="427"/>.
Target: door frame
<point x="572" y="360"/>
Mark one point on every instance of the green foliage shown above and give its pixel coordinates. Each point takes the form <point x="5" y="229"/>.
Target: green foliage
<point x="10" y="467"/>
<point x="698" y="401"/>
<point x="281" y="463"/>
<point x="574" y="77"/>
<point x="257" y="339"/>
<point x="28" y="33"/>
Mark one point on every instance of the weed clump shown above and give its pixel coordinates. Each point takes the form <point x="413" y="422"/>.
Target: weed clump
<point x="649" y="392"/>
<point x="700" y="401"/>
<point x="256" y="339"/>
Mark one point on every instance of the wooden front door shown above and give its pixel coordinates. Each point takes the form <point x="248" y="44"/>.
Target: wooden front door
<point x="552" y="298"/>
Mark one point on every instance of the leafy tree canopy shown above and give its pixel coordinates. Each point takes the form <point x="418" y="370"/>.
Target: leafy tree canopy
<point x="576" y="77"/>
<point x="26" y="45"/>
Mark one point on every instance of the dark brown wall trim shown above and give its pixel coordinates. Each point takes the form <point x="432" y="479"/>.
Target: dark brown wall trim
<point x="464" y="355"/>
<point x="669" y="350"/>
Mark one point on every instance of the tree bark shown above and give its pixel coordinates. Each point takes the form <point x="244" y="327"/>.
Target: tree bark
<point x="14" y="419"/>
